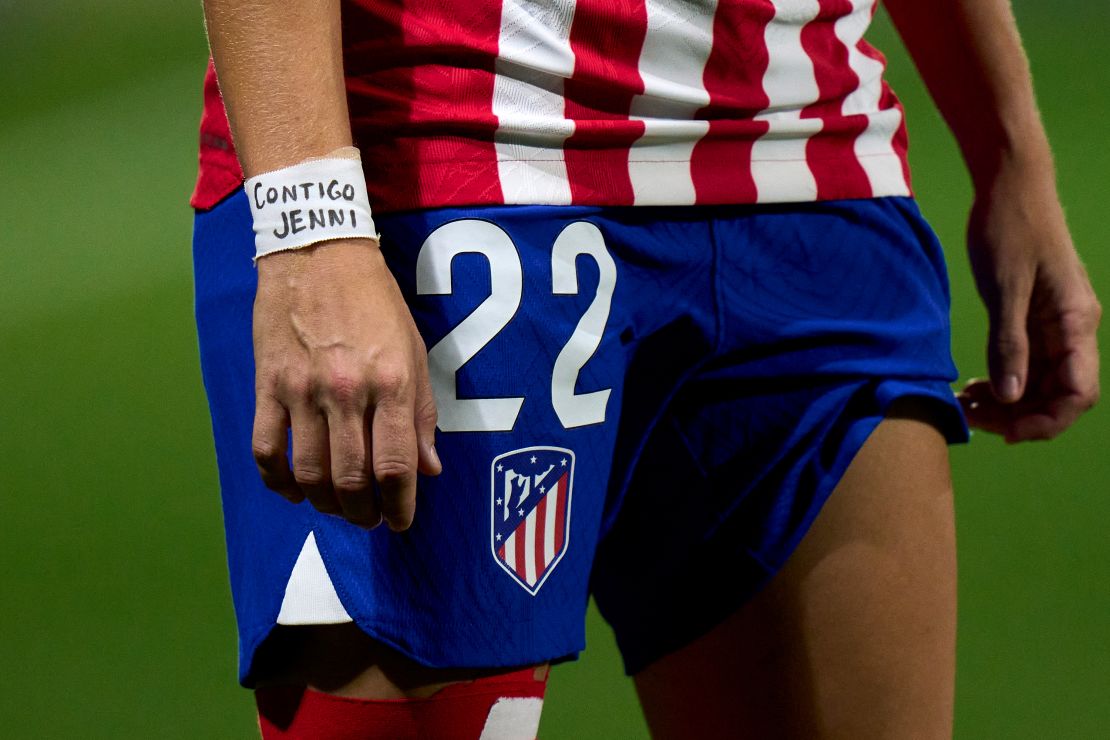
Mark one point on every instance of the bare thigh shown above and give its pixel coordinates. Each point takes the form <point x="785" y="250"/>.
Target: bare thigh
<point x="856" y="636"/>
<point x="342" y="660"/>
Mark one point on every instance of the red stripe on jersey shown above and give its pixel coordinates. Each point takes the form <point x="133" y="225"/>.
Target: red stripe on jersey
<point x="421" y="77"/>
<point x="520" y="567"/>
<point x="560" y="512"/>
<point x="501" y="553"/>
<point x="420" y="90"/>
<point x="541" y="524"/>
<point x="736" y="95"/>
<point x="219" y="172"/>
<point x="830" y="153"/>
<point x="606" y="38"/>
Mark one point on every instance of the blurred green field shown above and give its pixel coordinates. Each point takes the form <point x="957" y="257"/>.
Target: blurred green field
<point x="115" y="617"/>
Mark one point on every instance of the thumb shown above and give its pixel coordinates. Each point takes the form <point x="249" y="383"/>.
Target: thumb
<point x="1008" y="345"/>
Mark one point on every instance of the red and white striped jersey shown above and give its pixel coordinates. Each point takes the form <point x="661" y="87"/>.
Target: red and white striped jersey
<point x="607" y="102"/>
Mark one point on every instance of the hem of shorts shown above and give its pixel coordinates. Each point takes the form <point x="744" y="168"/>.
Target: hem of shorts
<point x="954" y="428"/>
<point x="390" y="633"/>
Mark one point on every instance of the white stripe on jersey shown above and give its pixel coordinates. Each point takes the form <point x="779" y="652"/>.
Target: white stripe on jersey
<point x="874" y="148"/>
<point x="779" y="165"/>
<point x="659" y="161"/>
<point x="534" y="57"/>
<point x="530" y="548"/>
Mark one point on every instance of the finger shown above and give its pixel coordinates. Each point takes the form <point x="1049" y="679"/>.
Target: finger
<point x="1043" y="413"/>
<point x="1078" y="372"/>
<point x="268" y="444"/>
<point x="311" y="464"/>
<point x="1038" y="427"/>
<point x="1030" y="429"/>
<point x="1047" y="418"/>
<point x="982" y="409"/>
<point x="393" y="441"/>
<point x="426" y="417"/>
<point x="1008" y="344"/>
<point x="350" y="469"/>
<point x="1040" y="415"/>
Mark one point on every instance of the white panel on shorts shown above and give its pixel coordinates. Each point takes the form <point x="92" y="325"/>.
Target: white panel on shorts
<point x="513" y="719"/>
<point x="310" y="597"/>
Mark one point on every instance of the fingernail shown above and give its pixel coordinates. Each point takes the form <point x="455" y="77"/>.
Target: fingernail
<point x="1010" y="388"/>
<point x="434" y="456"/>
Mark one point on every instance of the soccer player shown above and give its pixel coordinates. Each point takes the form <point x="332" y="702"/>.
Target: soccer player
<point x="653" y="317"/>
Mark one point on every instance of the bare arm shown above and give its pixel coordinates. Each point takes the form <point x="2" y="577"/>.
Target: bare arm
<point x="338" y="358"/>
<point x="281" y="74"/>
<point x="1042" y="349"/>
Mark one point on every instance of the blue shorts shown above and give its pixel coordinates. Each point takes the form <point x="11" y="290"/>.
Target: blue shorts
<point x="646" y="405"/>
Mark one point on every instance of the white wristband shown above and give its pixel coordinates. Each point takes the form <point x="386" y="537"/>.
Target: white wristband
<point x="309" y="202"/>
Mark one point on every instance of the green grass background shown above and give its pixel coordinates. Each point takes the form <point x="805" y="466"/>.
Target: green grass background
<point x="115" y="617"/>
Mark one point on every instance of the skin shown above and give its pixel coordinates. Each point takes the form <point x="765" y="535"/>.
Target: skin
<point x="856" y="636"/>
<point x="341" y="660"/>
<point x="338" y="358"/>
<point x="802" y="659"/>
<point x="340" y="363"/>
<point x="1042" y="350"/>
<point x="355" y="390"/>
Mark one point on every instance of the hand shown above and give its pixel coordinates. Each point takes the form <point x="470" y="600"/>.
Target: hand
<point x="1042" y="350"/>
<point x="339" y="360"/>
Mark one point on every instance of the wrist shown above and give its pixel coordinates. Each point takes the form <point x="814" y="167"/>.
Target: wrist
<point x="324" y="255"/>
<point x="1008" y="154"/>
<point x="319" y="199"/>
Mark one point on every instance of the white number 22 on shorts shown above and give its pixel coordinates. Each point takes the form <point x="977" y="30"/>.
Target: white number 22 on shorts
<point x="433" y="277"/>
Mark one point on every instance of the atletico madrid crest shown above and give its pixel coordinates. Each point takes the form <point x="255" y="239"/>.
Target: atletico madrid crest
<point x="530" y="517"/>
